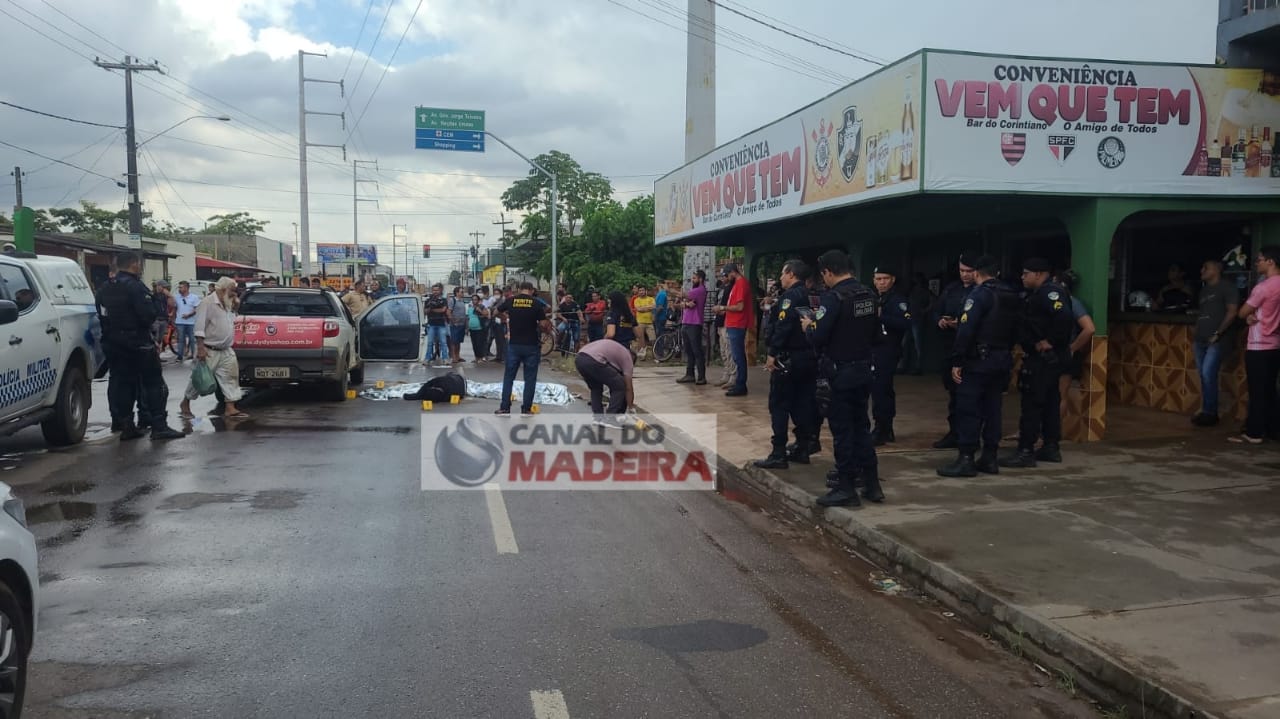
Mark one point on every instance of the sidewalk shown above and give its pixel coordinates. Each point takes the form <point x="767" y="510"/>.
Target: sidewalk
<point x="1147" y="569"/>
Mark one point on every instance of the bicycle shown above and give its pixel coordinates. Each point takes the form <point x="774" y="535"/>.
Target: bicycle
<point x="670" y="344"/>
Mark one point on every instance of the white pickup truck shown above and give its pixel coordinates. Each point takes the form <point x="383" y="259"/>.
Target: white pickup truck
<point x="50" y="346"/>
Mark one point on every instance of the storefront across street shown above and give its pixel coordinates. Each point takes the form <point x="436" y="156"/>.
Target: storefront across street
<point x="1117" y="170"/>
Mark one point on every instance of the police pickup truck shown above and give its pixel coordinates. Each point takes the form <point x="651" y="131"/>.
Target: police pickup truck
<point x="50" y="346"/>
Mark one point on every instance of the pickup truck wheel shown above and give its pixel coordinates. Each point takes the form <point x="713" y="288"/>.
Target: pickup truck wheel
<point x="339" y="387"/>
<point x="15" y="643"/>
<point x="357" y="375"/>
<point x="71" y="410"/>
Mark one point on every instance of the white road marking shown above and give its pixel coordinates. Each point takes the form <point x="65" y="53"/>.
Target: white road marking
<point x="548" y="704"/>
<point x="503" y="536"/>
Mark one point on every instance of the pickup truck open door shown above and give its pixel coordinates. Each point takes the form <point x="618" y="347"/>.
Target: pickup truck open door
<point x="391" y="330"/>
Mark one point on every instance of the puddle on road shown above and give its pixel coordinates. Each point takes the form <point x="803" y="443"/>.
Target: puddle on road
<point x="265" y="499"/>
<point x="707" y="635"/>
<point x="75" y="486"/>
<point x="62" y="680"/>
<point x="338" y="428"/>
<point x="66" y="511"/>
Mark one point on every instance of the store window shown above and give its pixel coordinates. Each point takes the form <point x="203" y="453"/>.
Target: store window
<point x="1156" y="261"/>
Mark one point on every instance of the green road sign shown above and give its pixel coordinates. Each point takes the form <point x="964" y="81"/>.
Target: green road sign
<point x="434" y="118"/>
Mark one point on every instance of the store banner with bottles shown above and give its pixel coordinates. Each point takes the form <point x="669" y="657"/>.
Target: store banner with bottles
<point x="1095" y="127"/>
<point x="857" y="144"/>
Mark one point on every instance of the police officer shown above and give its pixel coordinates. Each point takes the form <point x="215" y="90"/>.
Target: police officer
<point x="128" y="312"/>
<point x="813" y="289"/>
<point x="844" y="329"/>
<point x="895" y="321"/>
<point x="980" y="365"/>
<point x="793" y="371"/>
<point x="946" y="316"/>
<point x="1046" y="347"/>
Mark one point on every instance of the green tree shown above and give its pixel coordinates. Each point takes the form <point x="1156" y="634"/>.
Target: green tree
<point x="235" y="223"/>
<point x="577" y="191"/>
<point x="5" y="222"/>
<point x="615" y="250"/>
<point x="91" y="220"/>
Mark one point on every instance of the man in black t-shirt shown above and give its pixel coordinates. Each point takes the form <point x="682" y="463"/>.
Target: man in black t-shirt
<point x="525" y="316"/>
<point x="437" y="308"/>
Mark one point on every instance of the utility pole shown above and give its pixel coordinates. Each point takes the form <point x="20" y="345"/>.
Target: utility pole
<point x="302" y="149"/>
<point x="700" y="108"/>
<point x="131" y="142"/>
<point x="17" y="183"/>
<point x="24" y="221"/>
<point x="355" y="209"/>
<point x="503" y="222"/>
<point x="395" y="237"/>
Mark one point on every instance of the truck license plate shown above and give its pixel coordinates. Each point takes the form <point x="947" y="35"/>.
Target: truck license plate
<point x="271" y="373"/>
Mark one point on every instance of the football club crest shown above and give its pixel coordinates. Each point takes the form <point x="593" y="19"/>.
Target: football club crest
<point x="1062" y="146"/>
<point x="819" y="313"/>
<point x="848" y="143"/>
<point x="1111" y="152"/>
<point x="1013" y="145"/>
<point x="1054" y="296"/>
<point x="822" y="151"/>
<point x="902" y="306"/>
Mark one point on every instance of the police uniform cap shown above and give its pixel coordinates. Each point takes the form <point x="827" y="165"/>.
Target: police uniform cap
<point x="1037" y="264"/>
<point x="987" y="264"/>
<point x="968" y="259"/>
<point x="885" y="270"/>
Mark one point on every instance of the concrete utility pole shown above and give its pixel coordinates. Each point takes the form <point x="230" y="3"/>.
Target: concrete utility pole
<point x="131" y="142"/>
<point x="355" y="210"/>
<point x="475" y="256"/>
<point x="700" y="109"/>
<point x="17" y="183"/>
<point x="503" y="222"/>
<point x="395" y="237"/>
<point x="302" y="149"/>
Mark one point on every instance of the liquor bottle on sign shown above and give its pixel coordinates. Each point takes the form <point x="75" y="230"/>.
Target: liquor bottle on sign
<point x="1264" y="157"/>
<point x="1215" y="159"/>
<point x="1253" y="155"/>
<point x="871" y="160"/>
<point x="908" y="156"/>
<point x="1202" y="161"/>
<point x="1239" y="152"/>
<point x="882" y="158"/>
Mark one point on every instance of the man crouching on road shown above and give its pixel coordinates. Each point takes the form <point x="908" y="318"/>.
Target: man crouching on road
<point x="215" y="333"/>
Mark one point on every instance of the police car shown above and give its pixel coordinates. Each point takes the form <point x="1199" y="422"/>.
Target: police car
<point x="50" y="346"/>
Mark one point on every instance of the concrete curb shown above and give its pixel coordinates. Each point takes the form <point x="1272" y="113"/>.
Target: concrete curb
<point x="1096" y="673"/>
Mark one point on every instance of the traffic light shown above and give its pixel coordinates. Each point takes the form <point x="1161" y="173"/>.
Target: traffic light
<point x="426" y="252"/>
<point x="474" y="253"/>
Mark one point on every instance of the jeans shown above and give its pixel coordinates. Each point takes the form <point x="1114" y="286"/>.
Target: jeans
<point x="528" y="356"/>
<point x="599" y="375"/>
<point x="438" y="338"/>
<point x="1208" y="361"/>
<point x="738" y="347"/>
<point x="695" y="356"/>
<point x="570" y="332"/>
<point x="186" y="340"/>
<point x="1262" y="368"/>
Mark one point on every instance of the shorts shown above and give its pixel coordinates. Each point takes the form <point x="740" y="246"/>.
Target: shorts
<point x="647" y="332"/>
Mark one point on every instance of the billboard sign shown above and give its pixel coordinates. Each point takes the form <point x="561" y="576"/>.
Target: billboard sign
<point x="857" y="144"/>
<point x="1086" y="126"/>
<point x="338" y="254"/>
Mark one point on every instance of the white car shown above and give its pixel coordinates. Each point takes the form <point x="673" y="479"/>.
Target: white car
<point x="50" y="346"/>
<point x="19" y="602"/>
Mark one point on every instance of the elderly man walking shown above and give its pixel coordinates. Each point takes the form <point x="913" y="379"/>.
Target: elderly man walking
<point x="215" y="333"/>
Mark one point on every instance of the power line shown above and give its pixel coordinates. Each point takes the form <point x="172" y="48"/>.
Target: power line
<point x="60" y="162"/>
<point x="86" y="28"/>
<point x="160" y="169"/>
<point x="809" y="40"/>
<point x="27" y="25"/>
<point x="385" y="68"/>
<point x="80" y="181"/>
<point x="374" y="46"/>
<point x="359" y="36"/>
<point x="86" y="148"/>
<point x="59" y="117"/>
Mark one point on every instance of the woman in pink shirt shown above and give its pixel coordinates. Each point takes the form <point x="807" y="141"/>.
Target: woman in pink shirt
<point x="1262" y="355"/>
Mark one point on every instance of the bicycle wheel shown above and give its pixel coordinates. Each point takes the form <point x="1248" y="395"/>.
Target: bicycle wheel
<point x="666" y="346"/>
<point x="548" y="340"/>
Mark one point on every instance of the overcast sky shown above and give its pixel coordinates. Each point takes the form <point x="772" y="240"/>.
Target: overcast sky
<point x="600" y="79"/>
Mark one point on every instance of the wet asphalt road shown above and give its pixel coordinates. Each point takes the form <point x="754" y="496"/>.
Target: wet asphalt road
<point x="289" y="565"/>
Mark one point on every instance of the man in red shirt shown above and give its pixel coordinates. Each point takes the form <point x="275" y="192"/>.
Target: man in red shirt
<point x="739" y="316"/>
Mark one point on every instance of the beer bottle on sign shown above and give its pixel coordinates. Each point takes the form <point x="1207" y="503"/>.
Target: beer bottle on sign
<point x="907" y="156"/>
<point x="1215" y="159"/>
<point x="871" y="160"/>
<point x="1239" y="152"/>
<point x="1253" y="155"/>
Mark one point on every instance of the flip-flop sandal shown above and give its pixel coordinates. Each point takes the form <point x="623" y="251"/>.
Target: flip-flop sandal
<point x="237" y="415"/>
<point x="1244" y="439"/>
<point x="186" y="415"/>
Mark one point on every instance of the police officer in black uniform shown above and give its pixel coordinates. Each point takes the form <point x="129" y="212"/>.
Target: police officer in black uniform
<point x="946" y="316"/>
<point x="128" y="312"/>
<point x="793" y="371"/>
<point x="844" y="330"/>
<point x="1046" y="347"/>
<point x="980" y="364"/>
<point x="895" y="319"/>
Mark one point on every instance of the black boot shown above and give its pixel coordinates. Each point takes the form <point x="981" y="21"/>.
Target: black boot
<point x="129" y="431"/>
<point x="117" y="425"/>
<point x="844" y="495"/>
<point x="815" y="447"/>
<point x="987" y="462"/>
<point x="962" y="467"/>
<point x="1049" y="453"/>
<point x="871" y="488"/>
<point x="687" y="379"/>
<point x="144" y="422"/>
<point x="164" y="433"/>
<point x="833" y="479"/>
<point x="798" y="452"/>
<point x="884" y="433"/>
<point x="777" y="459"/>
<point x="948" y="441"/>
<point x="1024" y="459"/>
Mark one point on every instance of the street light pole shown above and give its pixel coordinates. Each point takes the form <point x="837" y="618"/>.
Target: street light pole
<point x="130" y="141"/>
<point x="555" y="199"/>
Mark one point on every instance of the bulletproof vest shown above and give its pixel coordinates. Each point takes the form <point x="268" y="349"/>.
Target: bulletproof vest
<point x="123" y="326"/>
<point x="1060" y="330"/>
<point x="1000" y="326"/>
<point x="859" y="329"/>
